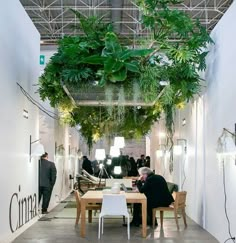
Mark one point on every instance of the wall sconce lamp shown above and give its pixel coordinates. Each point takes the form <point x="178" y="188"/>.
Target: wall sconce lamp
<point x="80" y="154"/>
<point x="226" y="143"/>
<point x="161" y="150"/>
<point x="36" y="148"/>
<point x="180" y="147"/>
<point x="162" y="134"/>
<point x="59" y="149"/>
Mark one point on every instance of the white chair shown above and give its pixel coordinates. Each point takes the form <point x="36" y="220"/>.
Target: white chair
<point x="113" y="205"/>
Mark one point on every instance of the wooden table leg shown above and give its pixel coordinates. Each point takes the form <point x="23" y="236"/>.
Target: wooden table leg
<point x="83" y="218"/>
<point x="144" y="218"/>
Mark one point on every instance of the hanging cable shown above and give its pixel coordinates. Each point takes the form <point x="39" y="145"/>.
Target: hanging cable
<point x="37" y="104"/>
<point x="26" y="93"/>
<point x="225" y="206"/>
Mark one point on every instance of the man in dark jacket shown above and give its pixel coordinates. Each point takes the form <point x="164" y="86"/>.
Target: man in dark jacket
<point x="87" y="165"/>
<point x="141" y="161"/>
<point x="156" y="190"/>
<point x="47" y="179"/>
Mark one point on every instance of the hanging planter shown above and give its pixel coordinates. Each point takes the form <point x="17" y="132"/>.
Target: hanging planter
<point x="109" y="88"/>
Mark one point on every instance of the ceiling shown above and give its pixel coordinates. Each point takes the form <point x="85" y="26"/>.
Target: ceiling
<point x="53" y="18"/>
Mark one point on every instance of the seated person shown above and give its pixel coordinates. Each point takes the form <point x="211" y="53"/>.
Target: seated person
<point x="155" y="189"/>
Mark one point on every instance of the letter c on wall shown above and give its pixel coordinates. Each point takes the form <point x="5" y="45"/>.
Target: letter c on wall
<point x="15" y="195"/>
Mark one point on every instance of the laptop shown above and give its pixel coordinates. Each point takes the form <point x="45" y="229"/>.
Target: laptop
<point x="125" y="189"/>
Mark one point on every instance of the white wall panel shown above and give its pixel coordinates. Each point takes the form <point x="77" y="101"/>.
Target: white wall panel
<point x="205" y="119"/>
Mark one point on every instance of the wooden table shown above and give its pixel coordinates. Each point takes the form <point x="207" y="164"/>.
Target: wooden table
<point x="96" y="197"/>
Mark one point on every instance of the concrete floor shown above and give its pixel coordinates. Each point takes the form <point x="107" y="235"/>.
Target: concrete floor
<point x="62" y="230"/>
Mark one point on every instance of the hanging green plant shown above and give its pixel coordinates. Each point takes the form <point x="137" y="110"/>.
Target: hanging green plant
<point x="98" y="61"/>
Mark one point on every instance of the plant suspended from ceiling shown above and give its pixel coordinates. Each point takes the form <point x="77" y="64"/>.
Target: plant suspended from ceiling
<point x="98" y="60"/>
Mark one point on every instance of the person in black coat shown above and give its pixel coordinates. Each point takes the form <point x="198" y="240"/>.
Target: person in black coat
<point x="141" y="161"/>
<point x="148" y="161"/>
<point x="156" y="190"/>
<point x="133" y="171"/>
<point x="87" y="165"/>
<point x="47" y="179"/>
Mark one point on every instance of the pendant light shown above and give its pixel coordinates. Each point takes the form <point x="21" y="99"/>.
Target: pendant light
<point x="100" y="154"/>
<point x="119" y="142"/>
<point x="114" y="151"/>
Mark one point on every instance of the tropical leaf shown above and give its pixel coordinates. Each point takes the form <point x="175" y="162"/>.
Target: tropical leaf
<point x="95" y="59"/>
<point x="133" y="66"/>
<point x="119" y="76"/>
<point x="111" y="66"/>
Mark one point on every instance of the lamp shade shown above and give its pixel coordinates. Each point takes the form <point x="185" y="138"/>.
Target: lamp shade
<point x="37" y="149"/>
<point x="159" y="153"/>
<point x="109" y="161"/>
<point x="114" y="151"/>
<point x="100" y="154"/>
<point x="101" y="166"/>
<point x="79" y="154"/>
<point x="162" y="134"/>
<point x="177" y="149"/>
<point x="117" y="170"/>
<point x="226" y="145"/>
<point x="119" y="142"/>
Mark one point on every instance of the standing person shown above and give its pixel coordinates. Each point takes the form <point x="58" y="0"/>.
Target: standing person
<point x="133" y="171"/>
<point x="87" y="165"/>
<point x="124" y="165"/>
<point x="148" y="162"/>
<point x="47" y="179"/>
<point x="141" y="161"/>
<point x="156" y="190"/>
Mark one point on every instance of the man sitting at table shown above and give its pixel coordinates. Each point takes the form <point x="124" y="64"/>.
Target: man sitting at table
<point x="155" y="189"/>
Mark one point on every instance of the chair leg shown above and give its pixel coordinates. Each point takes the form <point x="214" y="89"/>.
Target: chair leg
<point x="161" y="218"/>
<point x="90" y="214"/>
<point x="77" y="215"/>
<point x="102" y="225"/>
<point x="123" y="219"/>
<point x="184" y="217"/>
<point x="176" y="219"/>
<point x="153" y="217"/>
<point x="99" y="227"/>
<point x="128" y="227"/>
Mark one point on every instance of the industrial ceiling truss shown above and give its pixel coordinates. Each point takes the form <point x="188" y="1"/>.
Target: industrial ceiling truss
<point x="53" y="18"/>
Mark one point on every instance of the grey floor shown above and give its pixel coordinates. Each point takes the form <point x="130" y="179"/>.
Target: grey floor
<point x="63" y="230"/>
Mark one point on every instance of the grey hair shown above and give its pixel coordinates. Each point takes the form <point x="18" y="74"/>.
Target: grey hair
<point x="145" y="170"/>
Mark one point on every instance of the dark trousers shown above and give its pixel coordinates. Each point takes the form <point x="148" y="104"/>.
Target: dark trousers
<point x="45" y="192"/>
<point x="137" y="214"/>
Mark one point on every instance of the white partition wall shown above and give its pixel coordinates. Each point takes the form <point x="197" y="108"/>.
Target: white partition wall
<point x="19" y="63"/>
<point x="19" y="48"/>
<point x="205" y="120"/>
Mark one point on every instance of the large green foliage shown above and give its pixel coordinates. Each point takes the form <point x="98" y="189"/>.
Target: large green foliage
<point x="176" y="55"/>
